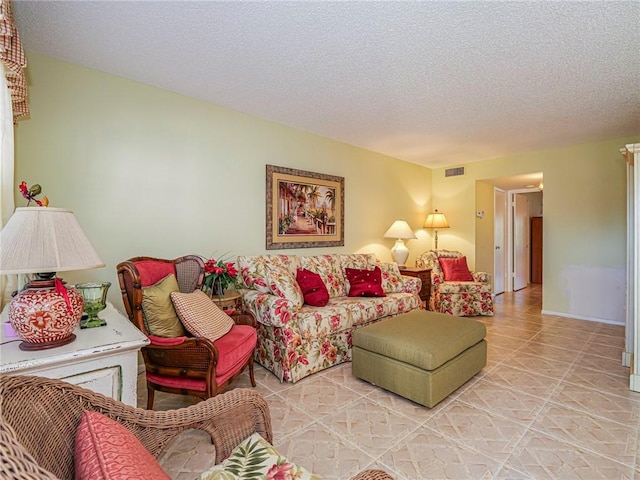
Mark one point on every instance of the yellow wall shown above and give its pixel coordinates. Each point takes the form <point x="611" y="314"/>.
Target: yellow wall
<point x="150" y="172"/>
<point x="484" y="242"/>
<point x="584" y="223"/>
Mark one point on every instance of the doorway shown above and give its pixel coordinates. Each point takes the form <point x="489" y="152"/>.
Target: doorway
<point x="515" y="200"/>
<point x="521" y="247"/>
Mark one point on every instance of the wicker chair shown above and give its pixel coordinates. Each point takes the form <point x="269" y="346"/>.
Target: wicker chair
<point x="190" y="367"/>
<point x="40" y="416"/>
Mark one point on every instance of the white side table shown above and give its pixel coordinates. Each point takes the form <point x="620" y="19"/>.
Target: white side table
<point x="102" y="359"/>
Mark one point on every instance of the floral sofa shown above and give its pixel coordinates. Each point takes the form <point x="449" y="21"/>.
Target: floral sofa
<point x="461" y="298"/>
<point x="296" y="339"/>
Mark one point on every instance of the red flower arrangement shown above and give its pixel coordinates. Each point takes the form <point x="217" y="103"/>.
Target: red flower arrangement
<point x="219" y="275"/>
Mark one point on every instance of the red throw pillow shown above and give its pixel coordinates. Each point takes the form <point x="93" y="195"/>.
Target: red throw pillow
<point x="365" y="283"/>
<point x="314" y="291"/>
<point x="455" y="269"/>
<point x="106" y="450"/>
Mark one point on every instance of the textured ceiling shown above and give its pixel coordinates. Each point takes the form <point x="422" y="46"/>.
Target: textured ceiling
<point x="435" y="83"/>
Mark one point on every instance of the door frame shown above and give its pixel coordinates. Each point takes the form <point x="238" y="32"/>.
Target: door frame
<point x="510" y="247"/>
<point x="504" y="244"/>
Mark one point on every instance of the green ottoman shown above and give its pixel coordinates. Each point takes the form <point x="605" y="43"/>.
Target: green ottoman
<point x="420" y="355"/>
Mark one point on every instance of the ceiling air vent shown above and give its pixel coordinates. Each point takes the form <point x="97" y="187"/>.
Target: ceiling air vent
<point x="454" y="172"/>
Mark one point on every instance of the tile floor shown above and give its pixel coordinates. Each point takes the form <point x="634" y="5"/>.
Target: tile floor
<point x="552" y="402"/>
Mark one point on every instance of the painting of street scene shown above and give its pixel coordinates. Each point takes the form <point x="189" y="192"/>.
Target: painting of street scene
<point x="304" y="209"/>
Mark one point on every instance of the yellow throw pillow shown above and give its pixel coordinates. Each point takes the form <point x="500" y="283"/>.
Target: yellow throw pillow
<point x="200" y="315"/>
<point x="159" y="315"/>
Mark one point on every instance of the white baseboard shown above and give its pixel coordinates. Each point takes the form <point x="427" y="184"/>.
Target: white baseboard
<point x="627" y="358"/>
<point x="634" y="383"/>
<point x="582" y="317"/>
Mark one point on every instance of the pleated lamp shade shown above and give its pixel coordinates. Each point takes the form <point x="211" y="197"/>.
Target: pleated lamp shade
<point x="44" y="239"/>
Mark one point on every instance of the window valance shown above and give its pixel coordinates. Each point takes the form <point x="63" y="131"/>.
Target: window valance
<point x="12" y="55"/>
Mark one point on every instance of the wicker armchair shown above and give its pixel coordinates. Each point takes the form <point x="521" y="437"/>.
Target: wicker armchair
<point x="40" y="416"/>
<point x="191" y="366"/>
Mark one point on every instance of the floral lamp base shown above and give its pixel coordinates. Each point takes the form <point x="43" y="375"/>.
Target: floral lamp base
<point x="42" y="317"/>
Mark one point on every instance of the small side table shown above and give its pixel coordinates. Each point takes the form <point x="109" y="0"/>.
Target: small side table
<point x="102" y="359"/>
<point x="231" y="300"/>
<point x="423" y="274"/>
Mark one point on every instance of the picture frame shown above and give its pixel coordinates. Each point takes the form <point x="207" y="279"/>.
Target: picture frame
<point x="304" y="209"/>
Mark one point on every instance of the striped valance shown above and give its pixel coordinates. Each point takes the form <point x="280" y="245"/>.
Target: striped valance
<point x="12" y="55"/>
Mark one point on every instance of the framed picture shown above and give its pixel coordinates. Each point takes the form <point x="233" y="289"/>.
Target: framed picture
<point x="304" y="209"/>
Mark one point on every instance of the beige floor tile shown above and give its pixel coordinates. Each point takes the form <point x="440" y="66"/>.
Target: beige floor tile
<point x="550" y="352"/>
<point x="324" y="453"/>
<point x="405" y="407"/>
<point x="370" y="426"/>
<point x="523" y="380"/>
<point x="286" y="419"/>
<point x="543" y="457"/>
<point x="540" y="365"/>
<point x="611" y="351"/>
<point x="522" y="332"/>
<point x="494" y="398"/>
<point x="319" y="396"/>
<point x="495" y="339"/>
<point x="602" y="364"/>
<point x="428" y="455"/>
<point x="190" y="453"/>
<point x="599" y="380"/>
<point x="595" y="402"/>
<point x="595" y="434"/>
<point x="611" y="330"/>
<point x="570" y="342"/>
<point x="482" y="431"/>
<point x="342" y="375"/>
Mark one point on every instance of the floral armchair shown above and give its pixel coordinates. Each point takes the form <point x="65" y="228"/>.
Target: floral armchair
<point x="466" y="298"/>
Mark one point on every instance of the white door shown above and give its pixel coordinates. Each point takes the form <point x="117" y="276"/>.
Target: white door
<point x="520" y="241"/>
<point x="499" y="236"/>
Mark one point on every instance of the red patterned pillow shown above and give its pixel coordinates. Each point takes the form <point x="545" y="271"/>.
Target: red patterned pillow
<point x="365" y="283"/>
<point x="313" y="288"/>
<point x="106" y="450"/>
<point x="455" y="269"/>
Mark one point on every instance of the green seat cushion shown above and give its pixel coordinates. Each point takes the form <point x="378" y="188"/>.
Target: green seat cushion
<point x="421" y="338"/>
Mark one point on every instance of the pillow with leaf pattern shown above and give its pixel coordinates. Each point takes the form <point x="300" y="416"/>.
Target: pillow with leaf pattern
<point x="255" y="458"/>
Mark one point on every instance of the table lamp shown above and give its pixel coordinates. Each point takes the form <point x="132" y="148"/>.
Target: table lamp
<point x="436" y="220"/>
<point x="43" y="241"/>
<point x="400" y="230"/>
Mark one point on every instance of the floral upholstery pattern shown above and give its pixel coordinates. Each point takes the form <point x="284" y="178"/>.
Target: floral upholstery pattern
<point x="464" y="299"/>
<point x="391" y="277"/>
<point x="297" y="340"/>
<point x="256" y="458"/>
<point x="330" y="270"/>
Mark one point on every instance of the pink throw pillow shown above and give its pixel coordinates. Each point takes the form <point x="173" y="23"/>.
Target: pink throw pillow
<point x="455" y="269"/>
<point x="106" y="450"/>
<point x="314" y="291"/>
<point x="365" y="283"/>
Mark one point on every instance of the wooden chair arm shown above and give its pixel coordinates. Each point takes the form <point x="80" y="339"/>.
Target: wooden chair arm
<point x="245" y="318"/>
